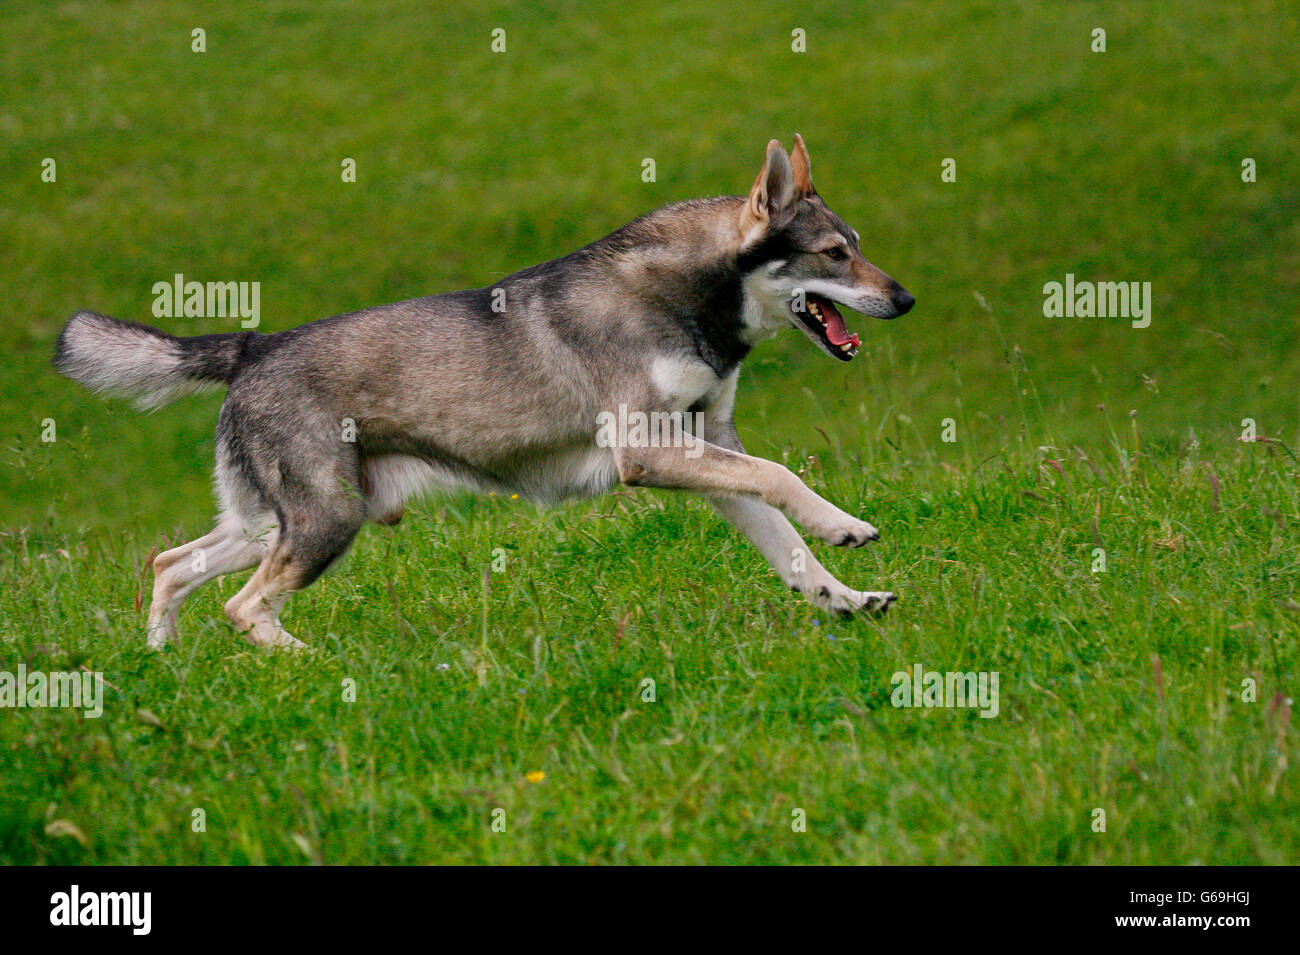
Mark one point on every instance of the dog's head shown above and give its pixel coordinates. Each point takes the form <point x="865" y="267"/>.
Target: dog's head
<point x="800" y="259"/>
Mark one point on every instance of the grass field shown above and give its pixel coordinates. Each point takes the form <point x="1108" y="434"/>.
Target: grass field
<point x="1078" y="442"/>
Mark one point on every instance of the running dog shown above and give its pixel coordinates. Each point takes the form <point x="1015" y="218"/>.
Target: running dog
<point x="340" y="421"/>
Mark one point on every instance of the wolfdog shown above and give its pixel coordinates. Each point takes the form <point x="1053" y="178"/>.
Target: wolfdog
<point x="340" y="421"/>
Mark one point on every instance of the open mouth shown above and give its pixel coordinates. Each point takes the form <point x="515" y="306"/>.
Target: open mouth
<point x="825" y="326"/>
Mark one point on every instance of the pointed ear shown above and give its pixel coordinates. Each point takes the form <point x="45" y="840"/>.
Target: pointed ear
<point x="802" y="168"/>
<point x="773" y="198"/>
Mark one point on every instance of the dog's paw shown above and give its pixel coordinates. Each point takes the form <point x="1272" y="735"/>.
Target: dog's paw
<point x="859" y="533"/>
<point x="842" y="601"/>
<point x="273" y="635"/>
<point x="845" y="531"/>
<point x="160" y="632"/>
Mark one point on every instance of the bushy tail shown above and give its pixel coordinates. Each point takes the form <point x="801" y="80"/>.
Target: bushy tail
<point x="142" y="363"/>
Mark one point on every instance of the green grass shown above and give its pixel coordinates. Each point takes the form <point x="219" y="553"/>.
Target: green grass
<point x="1120" y="690"/>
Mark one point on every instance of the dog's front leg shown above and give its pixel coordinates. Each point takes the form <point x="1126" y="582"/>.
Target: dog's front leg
<point x="748" y="491"/>
<point x="782" y="547"/>
<point x="707" y="468"/>
<point x="703" y="467"/>
<point x="778" y="542"/>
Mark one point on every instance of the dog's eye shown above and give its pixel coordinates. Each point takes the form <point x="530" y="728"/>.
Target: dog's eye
<point x="835" y="253"/>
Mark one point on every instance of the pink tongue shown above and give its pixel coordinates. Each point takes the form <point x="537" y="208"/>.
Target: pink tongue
<point x="836" y="331"/>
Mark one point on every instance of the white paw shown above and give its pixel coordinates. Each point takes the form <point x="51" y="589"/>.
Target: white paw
<point x="838" y="599"/>
<point x="159" y="633"/>
<point x="843" y="530"/>
<point x="273" y="635"/>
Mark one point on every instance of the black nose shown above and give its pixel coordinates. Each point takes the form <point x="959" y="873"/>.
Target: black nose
<point x="903" y="301"/>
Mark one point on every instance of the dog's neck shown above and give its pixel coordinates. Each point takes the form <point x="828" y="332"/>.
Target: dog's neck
<point x="686" y="258"/>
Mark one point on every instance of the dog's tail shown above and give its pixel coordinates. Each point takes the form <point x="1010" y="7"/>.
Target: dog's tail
<point x="142" y="363"/>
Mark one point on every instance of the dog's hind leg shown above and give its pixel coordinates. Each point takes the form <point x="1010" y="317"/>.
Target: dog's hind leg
<point x="231" y="546"/>
<point x="312" y="538"/>
<point x="287" y="454"/>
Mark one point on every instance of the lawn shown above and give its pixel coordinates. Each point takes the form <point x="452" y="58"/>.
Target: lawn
<point x="632" y="684"/>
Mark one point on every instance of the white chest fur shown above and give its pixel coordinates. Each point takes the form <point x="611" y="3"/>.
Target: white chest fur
<point x="683" y="382"/>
